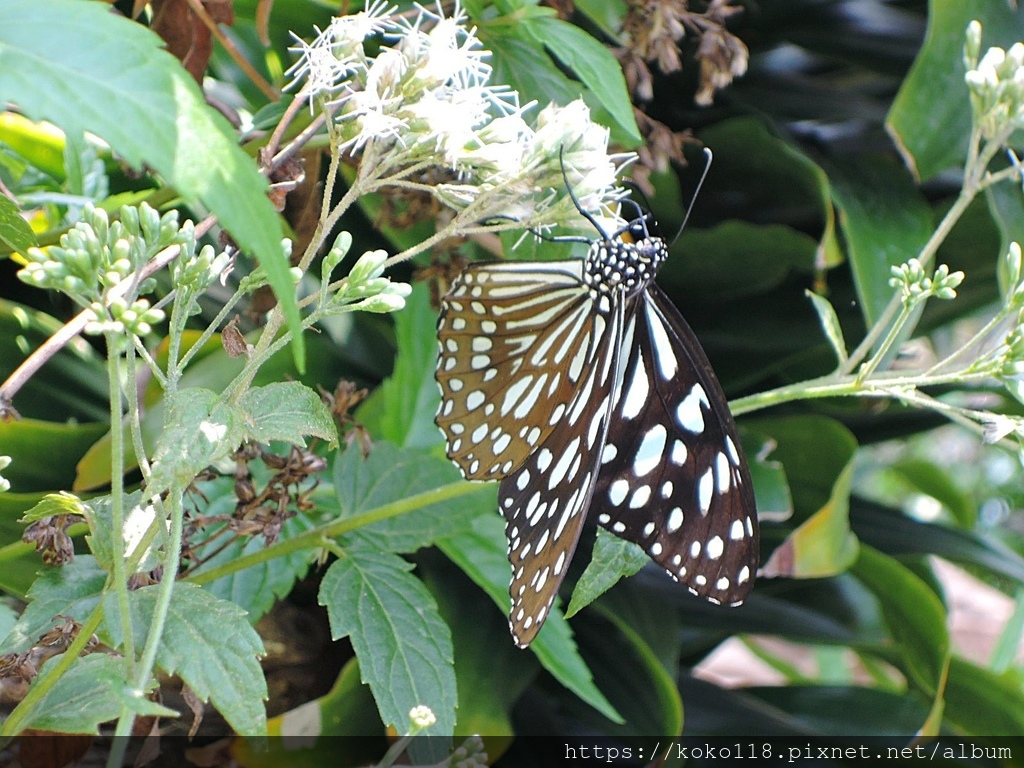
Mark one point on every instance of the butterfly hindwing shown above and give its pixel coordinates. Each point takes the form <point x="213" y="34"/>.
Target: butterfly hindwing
<point x="673" y="478"/>
<point x="515" y="341"/>
<point x="545" y="501"/>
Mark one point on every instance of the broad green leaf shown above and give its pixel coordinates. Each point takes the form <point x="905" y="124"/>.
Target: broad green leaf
<point x="403" y="645"/>
<point x="40" y="144"/>
<point x="410" y="396"/>
<point x="885" y="221"/>
<point x="814" y="451"/>
<point x="15" y="233"/>
<point x="771" y="488"/>
<point x="930" y="479"/>
<point x="198" y="431"/>
<point x="829" y="324"/>
<point x="137" y="519"/>
<point x="893" y="532"/>
<point x="613" y="559"/>
<point x="208" y="643"/>
<point x="915" y="616"/>
<point x="606" y="14"/>
<point x="86" y="69"/>
<point x="257" y="588"/>
<point x="71" y="590"/>
<point x="930" y="118"/>
<point x="491" y="673"/>
<point x="44" y="454"/>
<point x="480" y="553"/>
<point x="516" y="62"/>
<point x="593" y="63"/>
<point x="840" y="710"/>
<point x="627" y="668"/>
<point x="750" y="157"/>
<point x="822" y="545"/>
<point x="90" y="692"/>
<point x="984" y="703"/>
<point x="8" y="618"/>
<point x="391" y="475"/>
<point x="725" y="266"/>
<point x="288" y="411"/>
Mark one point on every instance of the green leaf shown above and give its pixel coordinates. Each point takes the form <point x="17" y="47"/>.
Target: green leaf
<point x="72" y="384"/>
<point x="613" y="559"/>
<point x="44" y="454"/>
<point x="930" y="118"/>
<point x="516" y="63"/>
<point x="52" y="504"/>
<point x="750" y="157"/>
<point x="822" y="545"/>
<point x="408" y="399"/>
<point x="1005" y="652"/>
<point x="90" y="692"/>
<point x="391" y="475"/>
<point x="480" y="553"/>
<point x="15" y="233"/>
<point x="208" y="643"/>
<point x="137" y="519"/>
<point x="593" y="63"/>
<point x="257" y="588"/>
<point x="829" y="324"/>
<point x="286" y="410"/>
<point x="628" y="669"/>
<point x="491" y="673"/>
<point x="928" y="478"/>
<point x="403" y="645"/>
<point x="771" y="487"/>
<point x="885" y="221"/>
<point x="725" y="266"/>
<point x="983" y="703"/>
<point x="608" y="15"/>
<point x="198" y="431"/>
<point x="915" y="616"/>
<point x="71" y="590"/>
<point x="86" y="69"/>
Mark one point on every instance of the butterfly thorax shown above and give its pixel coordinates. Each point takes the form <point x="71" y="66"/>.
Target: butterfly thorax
<point x="624" y="267"/>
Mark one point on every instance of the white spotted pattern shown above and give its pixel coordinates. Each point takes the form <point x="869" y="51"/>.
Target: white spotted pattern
<point x="581" y="388"/>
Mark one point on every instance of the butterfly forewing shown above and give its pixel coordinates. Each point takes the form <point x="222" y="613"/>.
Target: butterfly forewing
<point x="546" y="500"/>
<point x="673" y="478"/>
<point x="515" y="342"/>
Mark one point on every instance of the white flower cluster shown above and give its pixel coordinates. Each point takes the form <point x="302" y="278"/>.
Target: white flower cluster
<point x="424" y="100"/>
<point x="996" y="85"/>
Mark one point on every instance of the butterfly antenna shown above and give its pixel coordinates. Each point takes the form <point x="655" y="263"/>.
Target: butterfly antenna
<point x="572" y="196"/>
<point x="708" y="154"/>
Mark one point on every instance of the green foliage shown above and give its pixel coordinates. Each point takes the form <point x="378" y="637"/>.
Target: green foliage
<point x="812" y="256"/>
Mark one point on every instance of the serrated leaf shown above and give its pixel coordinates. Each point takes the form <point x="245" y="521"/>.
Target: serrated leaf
<point x="71" y="590"/>
<point x="15" y="233"/>
<point x="209" y="644"/>
<point x="258" y="587"/>
<point x="86" y="69"/>
<point x="403" y="645"/>
<point x="136" y="522"/>
<point x="86" y="695"/>
<point x="198" y="431"/>
<point x="288" y="411"/>
<point x="829" y="324"/>
<point x="613" y="559"/>
<point x="390" y="475"/>
<point x="593" y="63"/>
<point x="60" y="503"/>
<point x="480" y="553"/>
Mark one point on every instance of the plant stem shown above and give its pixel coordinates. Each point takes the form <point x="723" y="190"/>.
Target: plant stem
<point x="314" y="537"/>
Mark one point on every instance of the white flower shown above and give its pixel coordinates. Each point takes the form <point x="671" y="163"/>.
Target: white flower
<point x="422" y="717"/>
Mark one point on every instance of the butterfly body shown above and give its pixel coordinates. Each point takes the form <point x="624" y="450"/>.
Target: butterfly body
<point x="580" y="387"/>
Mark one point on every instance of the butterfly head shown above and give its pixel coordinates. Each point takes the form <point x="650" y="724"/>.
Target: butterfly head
<point x="627" y="260"/>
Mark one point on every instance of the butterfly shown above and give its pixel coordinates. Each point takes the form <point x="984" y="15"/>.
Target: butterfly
<point x="580" y="387"/>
